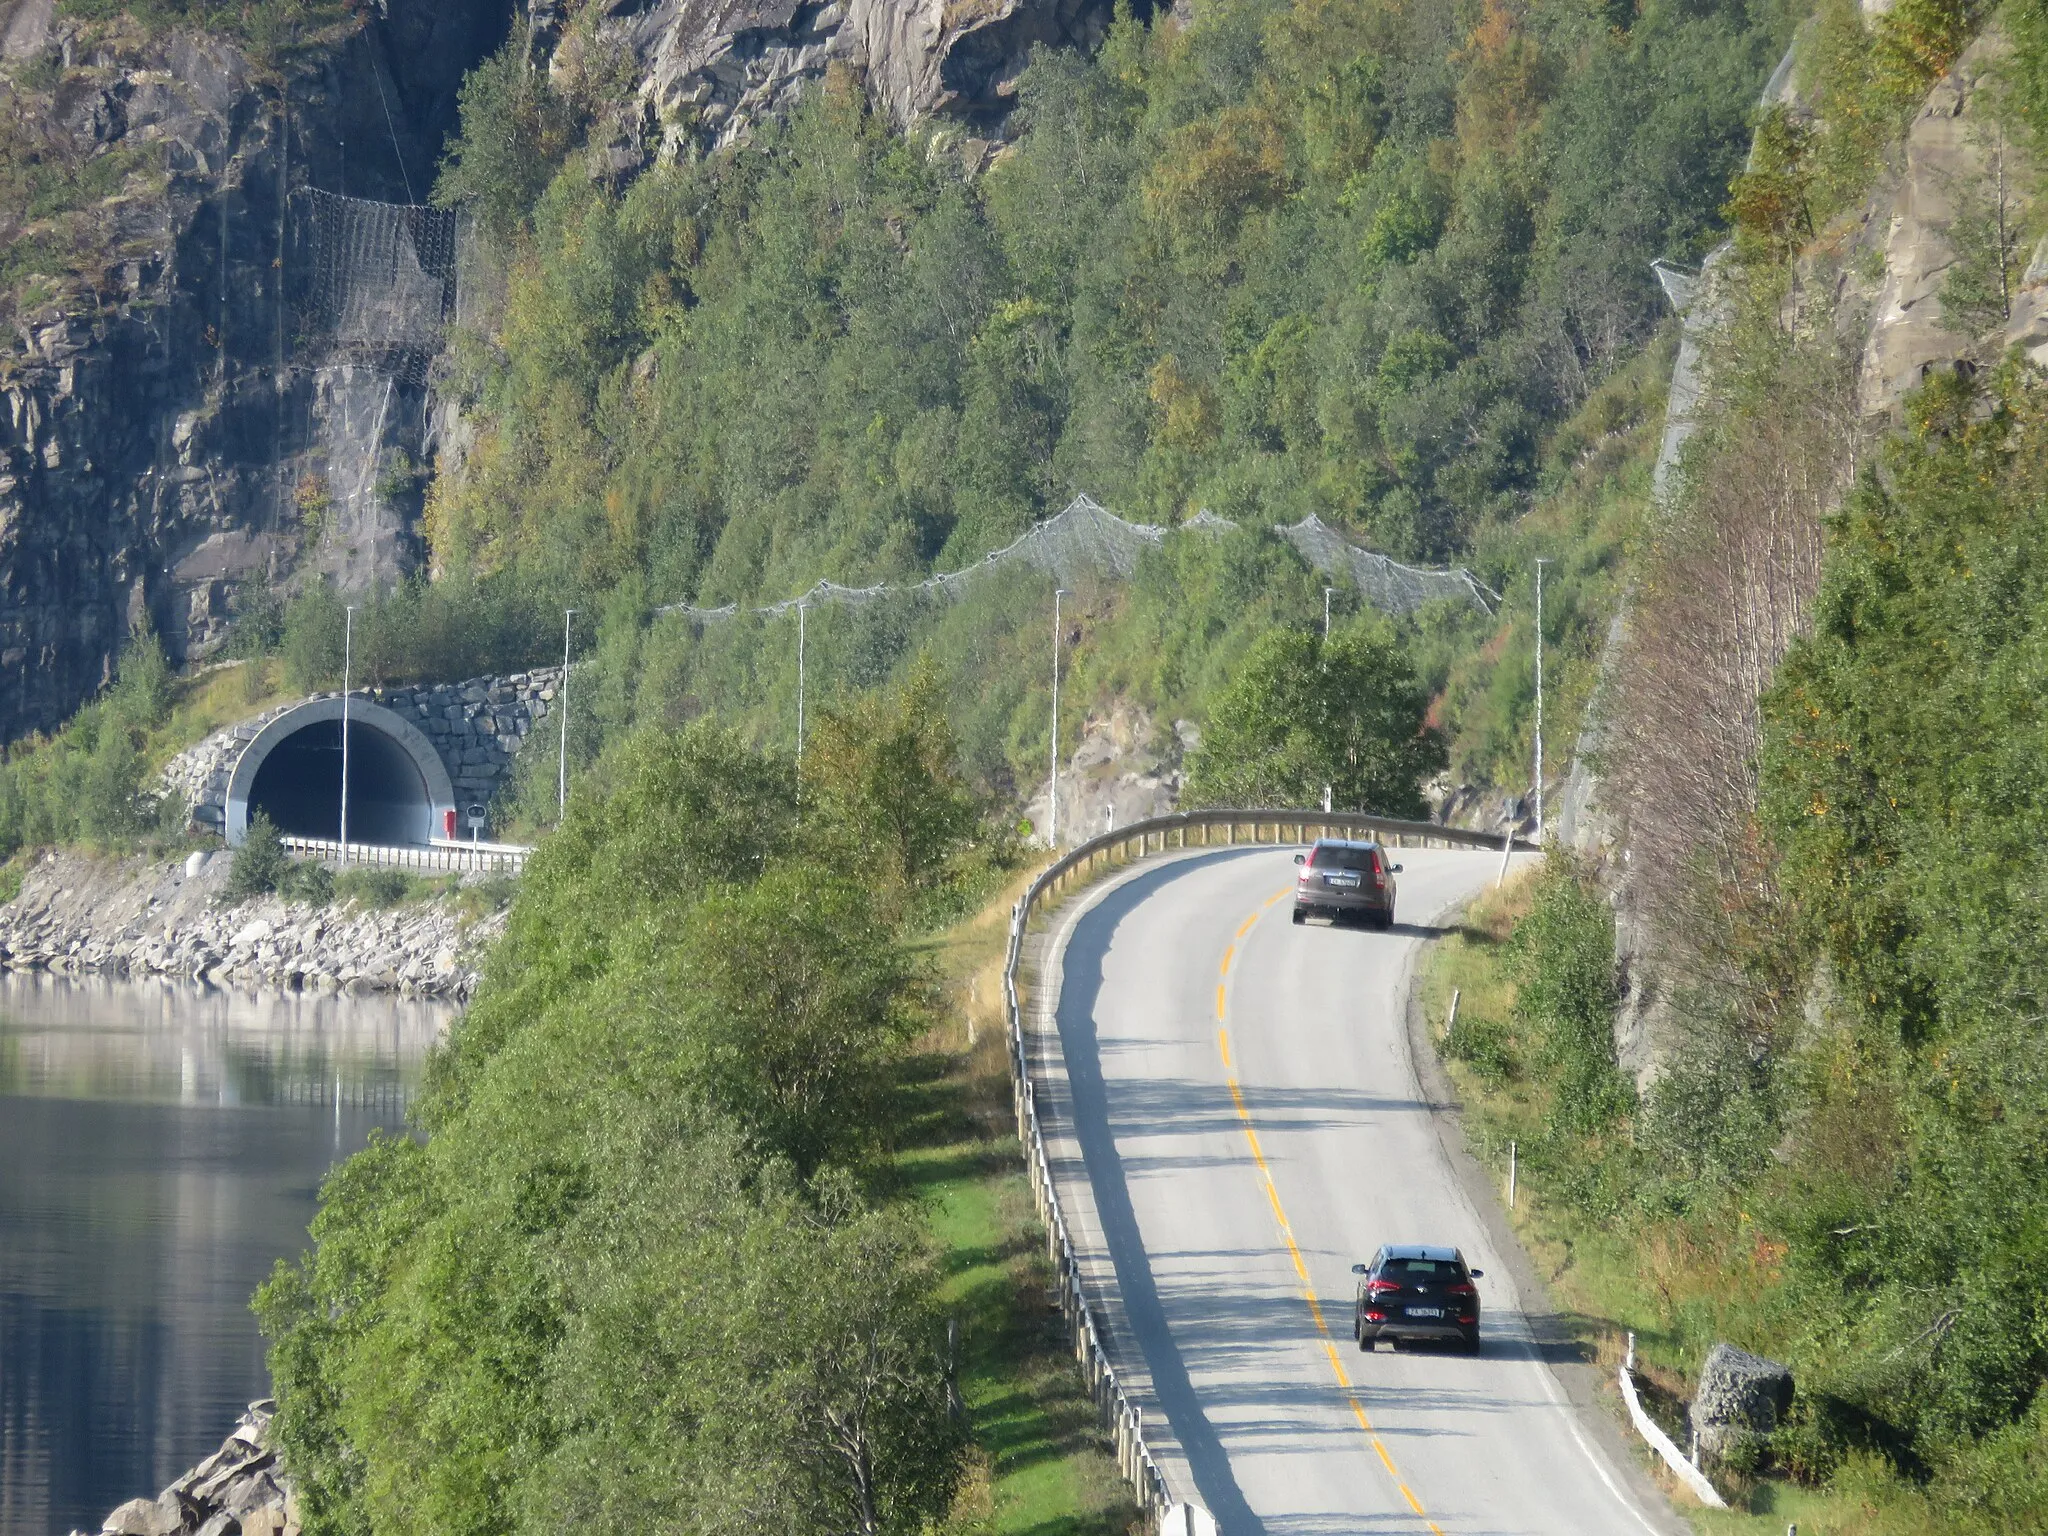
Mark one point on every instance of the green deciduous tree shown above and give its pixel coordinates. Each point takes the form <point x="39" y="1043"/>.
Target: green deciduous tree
<point x="1302" y="714"/>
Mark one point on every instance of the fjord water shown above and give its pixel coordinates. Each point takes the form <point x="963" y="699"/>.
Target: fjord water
<point x="160" y="1149"/>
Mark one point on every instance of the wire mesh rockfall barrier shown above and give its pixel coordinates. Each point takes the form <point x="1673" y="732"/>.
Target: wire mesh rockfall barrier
<point x="1086" y="539"/>
<point x="1122" y="1417"/>
<point x="379" y="280"/>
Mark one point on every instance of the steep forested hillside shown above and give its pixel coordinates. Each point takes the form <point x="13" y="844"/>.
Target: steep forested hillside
<point x="1805" y="1111"/>
<point x="1357" y="259"/>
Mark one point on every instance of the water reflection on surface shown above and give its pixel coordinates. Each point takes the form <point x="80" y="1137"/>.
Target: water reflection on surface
<point x="160" y="1149"/>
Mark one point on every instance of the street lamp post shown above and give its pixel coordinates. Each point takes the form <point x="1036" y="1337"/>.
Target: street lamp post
<point x="1053" y="795"/>
<point x="1539" y="698"/>
<point x="348" y="657"/>
<point x="562" y="760"/>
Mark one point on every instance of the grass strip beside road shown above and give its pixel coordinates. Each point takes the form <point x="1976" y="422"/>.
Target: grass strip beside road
<point x="1657" y="1279"/>
<point x="1041" y="1464"/>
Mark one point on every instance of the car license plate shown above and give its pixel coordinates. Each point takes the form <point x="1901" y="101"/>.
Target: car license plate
<point x="1348" y="878"/>
<point x="1425" y="1311"/>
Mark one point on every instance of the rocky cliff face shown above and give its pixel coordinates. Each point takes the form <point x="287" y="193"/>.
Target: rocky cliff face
<point x="710" y="69"/>
<point x="169" y="429"/>
<point x="209" y="400"/>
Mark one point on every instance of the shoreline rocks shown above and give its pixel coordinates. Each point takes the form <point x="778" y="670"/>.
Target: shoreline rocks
<point x="237" y="1491"/>
<point x="81" y="915"/>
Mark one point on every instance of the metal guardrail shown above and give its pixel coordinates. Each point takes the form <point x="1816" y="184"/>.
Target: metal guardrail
<point x="1688" y="1472"/>
<point x="1123" y="1419"/>
<point x="438" y="858"/>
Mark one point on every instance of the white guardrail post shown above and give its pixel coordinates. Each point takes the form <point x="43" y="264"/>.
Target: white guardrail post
<point x="1123" y="1418"/>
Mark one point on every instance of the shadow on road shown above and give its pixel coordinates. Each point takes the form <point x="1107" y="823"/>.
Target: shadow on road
<point x="1090" y="1117"/>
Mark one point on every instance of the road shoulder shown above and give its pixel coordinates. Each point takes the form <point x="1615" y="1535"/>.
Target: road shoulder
<point x="1592" y="1401"/>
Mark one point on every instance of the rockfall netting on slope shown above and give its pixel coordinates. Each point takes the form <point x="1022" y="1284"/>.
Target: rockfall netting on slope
<point x="380" y="279"/>
<point x="1386" y="584"/>
<point x="1086" y="539"/>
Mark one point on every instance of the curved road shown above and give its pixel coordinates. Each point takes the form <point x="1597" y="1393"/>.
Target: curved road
<point x="1234" y="1121"/>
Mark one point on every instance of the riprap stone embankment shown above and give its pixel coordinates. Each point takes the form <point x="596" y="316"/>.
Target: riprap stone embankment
<point x="78" y="914"/>
<point x="237" y="1491"/>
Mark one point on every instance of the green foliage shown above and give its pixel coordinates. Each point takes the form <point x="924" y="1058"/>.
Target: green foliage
<point x="1331" y="256"/>
<point x="1304" y="714"/>
<point x="260" y="863"/>
<point x="453" y="628"/>
<point x="1990" y="251"/>
<point x="515" y="131"/>
<point x="381" y="889"/>
<point x="90" y="782"/>
<point x="1903" y="777"/>
<point x="635" y="1273"/>
<point x="1563" y="955"/>
<point x="883" y="771"/>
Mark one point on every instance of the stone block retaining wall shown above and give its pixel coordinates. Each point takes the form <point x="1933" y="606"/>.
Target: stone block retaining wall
<point x="477" y="726"/>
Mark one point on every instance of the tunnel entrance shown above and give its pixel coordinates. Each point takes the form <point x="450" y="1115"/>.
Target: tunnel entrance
<point x="399" y="791"/>
<point x="299" y="786"/>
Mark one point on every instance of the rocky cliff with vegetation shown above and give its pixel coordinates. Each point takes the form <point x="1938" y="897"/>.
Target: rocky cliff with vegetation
<point x="1805" y="1111"/>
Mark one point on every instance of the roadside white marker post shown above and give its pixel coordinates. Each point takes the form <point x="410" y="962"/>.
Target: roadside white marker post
<point x="1539" y="698"/>
<point x="800" y="680"/>
<point x="1512" y="1171"/>
<point x="1451" y="1022"/>
<point x="562" y="766"/>
<point x="1507" y="846"/>
<point x="348" y="656"/>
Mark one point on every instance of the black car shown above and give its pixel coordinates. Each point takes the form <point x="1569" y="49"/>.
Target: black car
<point x="1411" y="1291"/>
<point x="1341" y="879"/>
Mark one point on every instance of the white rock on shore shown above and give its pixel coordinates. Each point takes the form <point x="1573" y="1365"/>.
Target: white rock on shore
<point x="78" y="914"/>
<point x="237" y="1491"/>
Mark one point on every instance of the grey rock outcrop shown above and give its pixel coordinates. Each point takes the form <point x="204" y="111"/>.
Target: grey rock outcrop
<point x="166" y="442"/>
<point x="237" y="1491"/>
<point x="712" y="69"/>
<point x="1741" y="1398"/>
<point x="1123" y="770"/>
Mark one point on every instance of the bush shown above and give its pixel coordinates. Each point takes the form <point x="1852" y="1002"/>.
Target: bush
<point x="1304" y="714"/>
<point x="379" y="889"/>
<point x="260" y="864"/>
<point x="1563" y="955"/>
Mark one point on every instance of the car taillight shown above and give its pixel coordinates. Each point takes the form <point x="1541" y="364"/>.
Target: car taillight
<point x="1463" y="1288"/>
<point x="1375" y="1317"/>
<point x="1303" y="875"/>
<point x="1378" y="1288"/>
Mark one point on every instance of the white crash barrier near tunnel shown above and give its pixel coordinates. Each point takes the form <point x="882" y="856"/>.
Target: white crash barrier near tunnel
<point x="1188" y="1520"/>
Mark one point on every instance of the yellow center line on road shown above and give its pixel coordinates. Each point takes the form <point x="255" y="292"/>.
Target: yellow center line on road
<point x="1308" y="1290"/>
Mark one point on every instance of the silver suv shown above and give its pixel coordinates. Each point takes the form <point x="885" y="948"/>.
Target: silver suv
<point x="1340" y="879"/>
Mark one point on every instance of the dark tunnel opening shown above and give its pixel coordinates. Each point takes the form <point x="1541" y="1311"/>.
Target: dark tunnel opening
<point x="299" y="786"/>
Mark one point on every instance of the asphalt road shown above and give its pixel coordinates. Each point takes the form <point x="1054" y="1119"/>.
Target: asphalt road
<point x="1242" y="1123"/>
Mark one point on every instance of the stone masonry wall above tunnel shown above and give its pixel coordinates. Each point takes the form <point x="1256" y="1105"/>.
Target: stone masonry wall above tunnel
<point x="405" y="745"/>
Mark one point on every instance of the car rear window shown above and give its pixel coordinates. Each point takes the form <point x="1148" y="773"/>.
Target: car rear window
<point x="1402" y="1269"/>
<point x="1344" y="858"/>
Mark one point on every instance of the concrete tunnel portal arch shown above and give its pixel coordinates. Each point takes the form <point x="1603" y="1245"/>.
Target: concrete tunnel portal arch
<point x="399" y="792"/>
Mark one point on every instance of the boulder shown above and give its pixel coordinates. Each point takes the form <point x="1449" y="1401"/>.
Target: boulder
<point x="1741" y="1398"/>
<point x="147" y="1517"/>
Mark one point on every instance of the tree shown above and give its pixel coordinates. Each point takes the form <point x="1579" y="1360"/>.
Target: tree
<point x="1304" y="714"/>
<point x="260" y="862"/>
<point x="515" y="130"/>
<point x="884" y="773"/>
